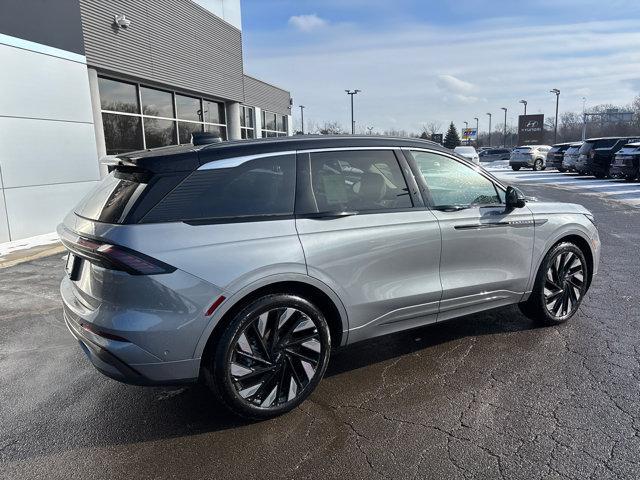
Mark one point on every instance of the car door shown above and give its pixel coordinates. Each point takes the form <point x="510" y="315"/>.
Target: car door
<point x="486" y="249"/>
<point x="366" y="234"/>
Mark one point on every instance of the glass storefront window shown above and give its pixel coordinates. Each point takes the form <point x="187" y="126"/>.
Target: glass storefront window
<point x="185" y="129"/>
<point x="274" y="125"/>
<point x="213" y="112"/>
<point x="189" y="108"/>
<point x="220" y="131"/>
<point x="156" y="102"/>
<point x="122" y="133"/>
<point x="118" y="96"/>
<point x="159" y="133"/>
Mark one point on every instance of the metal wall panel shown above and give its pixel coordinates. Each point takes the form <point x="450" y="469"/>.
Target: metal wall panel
<point x="172" y="42"/>
<point x="266" y="96"/>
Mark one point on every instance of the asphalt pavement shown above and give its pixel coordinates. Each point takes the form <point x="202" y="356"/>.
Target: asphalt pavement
<point x="485" y="396"/>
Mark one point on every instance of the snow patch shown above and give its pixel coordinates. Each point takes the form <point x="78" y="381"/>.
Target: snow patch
<point x="27" y="243"/>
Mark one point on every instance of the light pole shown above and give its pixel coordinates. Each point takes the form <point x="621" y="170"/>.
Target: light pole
<point x="489" y="128"/>
<point x="524" y="102"/>
<point x="477" y="129"/>
<point x="555" y="127"/>
<point x="584" y="118"/>
<point x="351" y="93"/>
<point x="302" y="107"/>
<point x="504" y="138"/>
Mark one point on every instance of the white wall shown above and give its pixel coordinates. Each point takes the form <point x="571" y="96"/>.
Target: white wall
<point x="48" y="157"/>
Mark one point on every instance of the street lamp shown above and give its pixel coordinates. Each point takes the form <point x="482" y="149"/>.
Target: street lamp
<point x="302" y="107"/>
<point x="477" y="129"/>
<point x="351" y="93"/>
<point x="504" y="140"/>
<point x="555" y="127"/>
<point x="489" y="128"/>
<point x="525" y="105"/>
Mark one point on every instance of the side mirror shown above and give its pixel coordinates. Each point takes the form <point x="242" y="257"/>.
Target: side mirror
<point x="514" y="198"/>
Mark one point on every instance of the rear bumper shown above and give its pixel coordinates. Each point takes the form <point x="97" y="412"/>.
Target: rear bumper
<point x="618" y="170"/>
<point x="114" y="353"/>
<point x="521" y="163"/>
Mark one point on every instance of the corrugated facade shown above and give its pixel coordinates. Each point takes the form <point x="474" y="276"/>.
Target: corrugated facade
<point x="266" y="96"/>
<point x="172" y="42"/>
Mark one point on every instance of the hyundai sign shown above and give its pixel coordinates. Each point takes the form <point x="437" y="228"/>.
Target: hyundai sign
<point x="531" y="129"/>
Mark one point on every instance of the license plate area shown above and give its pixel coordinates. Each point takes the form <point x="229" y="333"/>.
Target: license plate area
<point x="73" y="266"/>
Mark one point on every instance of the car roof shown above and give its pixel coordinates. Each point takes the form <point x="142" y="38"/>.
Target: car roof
<point x="595" y="139"/>
<point x="190" y="157"/>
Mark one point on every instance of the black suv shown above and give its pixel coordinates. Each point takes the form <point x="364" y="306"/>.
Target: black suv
<point x="596" y="155"/>
<point x="556" y="154"/>
<point x="627" y="162"/>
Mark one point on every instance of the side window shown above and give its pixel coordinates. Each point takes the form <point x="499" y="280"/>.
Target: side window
<point x="358" y="181"/>
<point x="260" y="187"/>
<point x="453" y="183"/>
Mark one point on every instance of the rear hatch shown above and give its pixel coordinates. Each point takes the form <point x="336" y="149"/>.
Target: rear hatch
<point x="522" y="153"/>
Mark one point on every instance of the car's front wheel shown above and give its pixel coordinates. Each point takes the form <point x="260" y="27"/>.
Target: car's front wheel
<point x="559" y="287"/>
<point x="537" y="165"/>
<point x="271" y="356"/>
<point x="515" y="168"/>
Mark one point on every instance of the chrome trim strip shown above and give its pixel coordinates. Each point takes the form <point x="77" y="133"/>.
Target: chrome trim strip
<point x="343" y="149"/>
<point x="237" y="161"/>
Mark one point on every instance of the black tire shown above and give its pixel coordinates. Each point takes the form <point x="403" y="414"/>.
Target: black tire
<point x="515" y="168"/>
<point x="548" y="302"/>
<point x="537" y="165"/>
<point x="276" y="365"/>
<point x="562" y="169"/>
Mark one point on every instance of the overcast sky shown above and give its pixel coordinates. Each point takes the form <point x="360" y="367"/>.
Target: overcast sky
<point x="420" y="61"/>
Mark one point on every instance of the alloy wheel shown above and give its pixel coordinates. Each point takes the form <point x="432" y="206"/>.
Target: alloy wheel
<point x="564" y="284"/>
<point x="275" y="357"/>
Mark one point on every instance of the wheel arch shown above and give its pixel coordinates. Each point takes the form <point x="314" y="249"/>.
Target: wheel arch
<point x="311" y="289"/>
<point x="581" y="242"/>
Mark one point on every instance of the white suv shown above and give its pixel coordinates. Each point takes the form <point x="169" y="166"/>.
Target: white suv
<point x="469" y="153"/>
<point x="531" y="156"/>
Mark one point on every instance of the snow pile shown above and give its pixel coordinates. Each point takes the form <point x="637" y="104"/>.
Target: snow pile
<point x="27" y="243"/>
<point x="497" y="165"/>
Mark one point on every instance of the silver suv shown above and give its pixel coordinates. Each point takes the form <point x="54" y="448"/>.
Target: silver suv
<point x="530" y="156"/>
<point x="242" y="264"/>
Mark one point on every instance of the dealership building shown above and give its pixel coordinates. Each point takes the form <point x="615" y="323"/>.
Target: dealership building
<point x="83" y="79"/>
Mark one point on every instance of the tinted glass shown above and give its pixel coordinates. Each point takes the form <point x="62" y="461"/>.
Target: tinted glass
<point x="268" y="121"/>
<point x="213" y="112"/>
<point x="185" y="129"/>
<point x="122" y="133"/>
<point x="247" y="133"/>
<point x="118" y="96"/>
<point x="110" y="200"/>
<point x="265" y="186"/>
<point x="159" y="133"/>
<point x="156" y="102"/>
<point x="188" y="108"/>
<point x="453" y="183"/>
<point x="358" y="181"/>
<point x="246" y="118"/>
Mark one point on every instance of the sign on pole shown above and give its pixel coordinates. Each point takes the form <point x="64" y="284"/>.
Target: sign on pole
<point x="469" y="134"/>
<point x="531" y="129"/>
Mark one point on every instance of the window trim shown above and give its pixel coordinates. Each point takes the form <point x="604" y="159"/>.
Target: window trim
<point x="424" y="188"/>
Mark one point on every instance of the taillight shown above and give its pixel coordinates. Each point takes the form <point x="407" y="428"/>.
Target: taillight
<point x="114" y="257"/>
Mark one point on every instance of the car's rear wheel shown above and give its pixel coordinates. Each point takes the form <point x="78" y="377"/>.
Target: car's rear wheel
<point x="271" y="356"/>
<point x="537" y="165"/>
<point x="562" y="169"/>
<point x="560" y="285"/>
<point x="515" y="168"/>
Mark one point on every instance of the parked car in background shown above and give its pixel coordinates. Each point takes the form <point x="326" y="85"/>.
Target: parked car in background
<point x="530" y="156"/>
<point x="555" y="155"/>
<point x="570" y="157"/>
<point x="627" y="162"/>
<point x="493" y="154"/>
<point x="468" y="152"/>
<point x="596" y="155"/>
<point x="244" y="264"/>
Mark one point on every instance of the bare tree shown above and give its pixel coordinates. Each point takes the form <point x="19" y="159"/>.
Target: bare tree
<point x="330" y="128"/>
<point x="432" y="128"/>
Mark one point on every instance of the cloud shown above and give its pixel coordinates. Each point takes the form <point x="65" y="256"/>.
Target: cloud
<point x="451" y="84"/>
<point x="307" y="23"/>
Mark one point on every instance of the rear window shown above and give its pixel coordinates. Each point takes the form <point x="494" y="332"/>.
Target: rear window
<point x="111" y="199"/>
<point x="522" y="150"/>
<point x="263" y="187"/>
